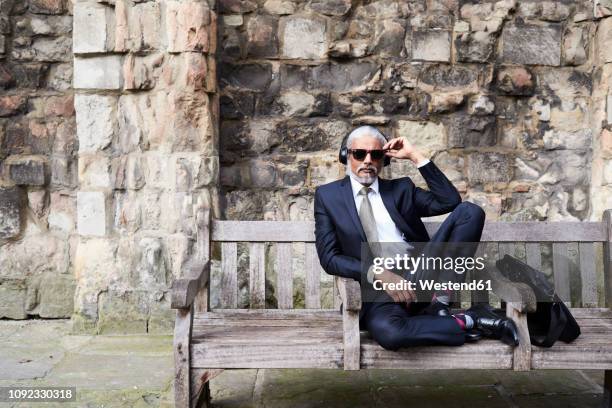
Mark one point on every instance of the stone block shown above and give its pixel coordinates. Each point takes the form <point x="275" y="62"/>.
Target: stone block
<point x="532" y="44"/>
<point x="47" y="6"/>
<point x="96" y="119"/>
<point x="12" y="298"/>
<point x="388" y="38"/>
<point x="187" y="26"/>
<point x="489" y="168"/>
<point x="92" y="213"/>
<point x="516" y="81"/>
<point x="603" y="39"/>
<point x="138" y="26"/>
<point x="54" y="296"/>
<point x="330" y="7"/>
<point x="279" y="7"/>
<point x="94" y="28"/>
<point x="63" y="171"/>
<point x="47" y="49"/>
<point x="428" y="137"/>
<point x="102" y="72"/>
<point x="123" y="313"/>
<point x="471" y="131"/>
<point x="12" y="105"/>
<point x="431" y="45"/>
<point x="94" y="171"/>
<point x="62" y="212"/>
<point x="139" y="73"/>
<point x="303" y="37"/>
<point x="27" y="171"/>
<point x="128" y="212"/>
<point x="475" y="46"/>
<point x="49" y="25"/>
<point x="480" y="105"/>
<point x="195" y="171"/>
<point x="262" y="40"/>
<point x="606" y="143"/>
<point x="574" y="46"/>
<point x="562" y="139"/>
<point x="11" y="203"/>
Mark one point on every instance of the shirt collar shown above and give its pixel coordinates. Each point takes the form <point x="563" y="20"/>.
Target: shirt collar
<point x="357" y="186"/>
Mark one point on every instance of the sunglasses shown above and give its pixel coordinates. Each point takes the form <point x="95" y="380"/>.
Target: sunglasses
<point x="360" y="154"/>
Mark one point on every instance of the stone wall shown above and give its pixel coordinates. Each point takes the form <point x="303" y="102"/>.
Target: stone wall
<point x="38" y="166"/>
<point x="499" y="93"/>
<point x="146" y="109"/>
<point x="103" y="170"/>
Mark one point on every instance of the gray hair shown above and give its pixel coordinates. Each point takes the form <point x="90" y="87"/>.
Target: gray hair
<point x="365" y="130"/>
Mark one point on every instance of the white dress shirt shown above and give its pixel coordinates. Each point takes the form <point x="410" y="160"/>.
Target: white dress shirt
<point x="385" y="227"/>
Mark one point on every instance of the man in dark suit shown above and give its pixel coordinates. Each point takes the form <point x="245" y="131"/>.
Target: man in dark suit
<point x="365" y="208"/>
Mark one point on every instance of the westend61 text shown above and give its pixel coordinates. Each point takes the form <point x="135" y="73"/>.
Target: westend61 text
<point x="430" y="284"/>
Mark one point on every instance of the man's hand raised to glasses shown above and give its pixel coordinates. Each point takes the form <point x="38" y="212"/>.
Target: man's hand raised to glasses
<point x="401" y="148"/>
<point x="400" y="295"/>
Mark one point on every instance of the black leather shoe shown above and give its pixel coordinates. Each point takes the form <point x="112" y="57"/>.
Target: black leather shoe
<point x="437" y="309"/>
<point x="492" y="325"/>
<point x="472" y="336"/>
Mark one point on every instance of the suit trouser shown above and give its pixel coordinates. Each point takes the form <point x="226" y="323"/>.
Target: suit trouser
<point x="393" y="325"/>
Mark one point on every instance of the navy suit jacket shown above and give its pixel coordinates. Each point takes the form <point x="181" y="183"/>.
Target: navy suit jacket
<point x="338" y="229"/>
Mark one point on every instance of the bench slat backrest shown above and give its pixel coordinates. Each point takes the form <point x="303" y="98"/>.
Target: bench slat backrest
<point x="291" y="240"/>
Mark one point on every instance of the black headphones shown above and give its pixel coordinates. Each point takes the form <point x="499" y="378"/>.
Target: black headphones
<point x="343" y="154"/>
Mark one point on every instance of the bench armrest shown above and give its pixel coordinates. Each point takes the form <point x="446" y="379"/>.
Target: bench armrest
<point x="184" y="290"/>
<point x="519" y="294"/>
<point x="350" y="293"/>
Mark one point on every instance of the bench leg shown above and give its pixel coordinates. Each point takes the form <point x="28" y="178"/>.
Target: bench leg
<point x="607" y="396"/>
<point x="200" y="386"/>
<point x="203" y="399"/>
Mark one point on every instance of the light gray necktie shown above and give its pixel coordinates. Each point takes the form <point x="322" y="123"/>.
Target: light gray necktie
<point x="366" y="215"/>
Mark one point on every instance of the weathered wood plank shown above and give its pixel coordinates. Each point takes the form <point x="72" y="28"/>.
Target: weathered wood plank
<point x="181" y="346"/>
<point x="313" y="277"/>
<point x="607" y="257"/>
<point x="573" y="356"/>
<point x="263" y="334"/>
<point x="303" y="231"/>
<point x="284" y="276"/>
<point x="336" y="295"/>
<point x="350" y="293"/>
<point x="607" y="389"/>
<point x="202" y="251"/>
<point x="522" y="352"/>
<point x="533" y="255"/>
<point x="200" y="381"/>
<point x="185" y="290"/>
<point x="561" y="271"/>
<point x="591" y="312"/>
<point x="588" y="274"/>
<point x="274" y="355"/>
<point x="229" y="281"/>
<point x="485" y="354"/>
<point x="271" y="314"/>
<point x="351" y="338"/>
<point x="257" y="275"/>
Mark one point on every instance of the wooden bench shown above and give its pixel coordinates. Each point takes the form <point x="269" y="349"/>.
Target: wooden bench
<point x="207" y="341"/>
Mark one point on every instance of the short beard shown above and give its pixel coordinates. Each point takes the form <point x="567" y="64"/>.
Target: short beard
<point x="367" y="180"/>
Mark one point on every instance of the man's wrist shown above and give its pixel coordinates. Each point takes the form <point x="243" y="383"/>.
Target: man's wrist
<point x="418" y="158"/>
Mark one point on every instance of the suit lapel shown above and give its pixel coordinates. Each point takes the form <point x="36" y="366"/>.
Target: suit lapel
<point x="384" y="187"/>
<point x="349" y="201"/>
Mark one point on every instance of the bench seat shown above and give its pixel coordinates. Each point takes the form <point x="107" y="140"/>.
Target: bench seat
<point x="267" y="339"/>
<point x="592" y="350"/>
